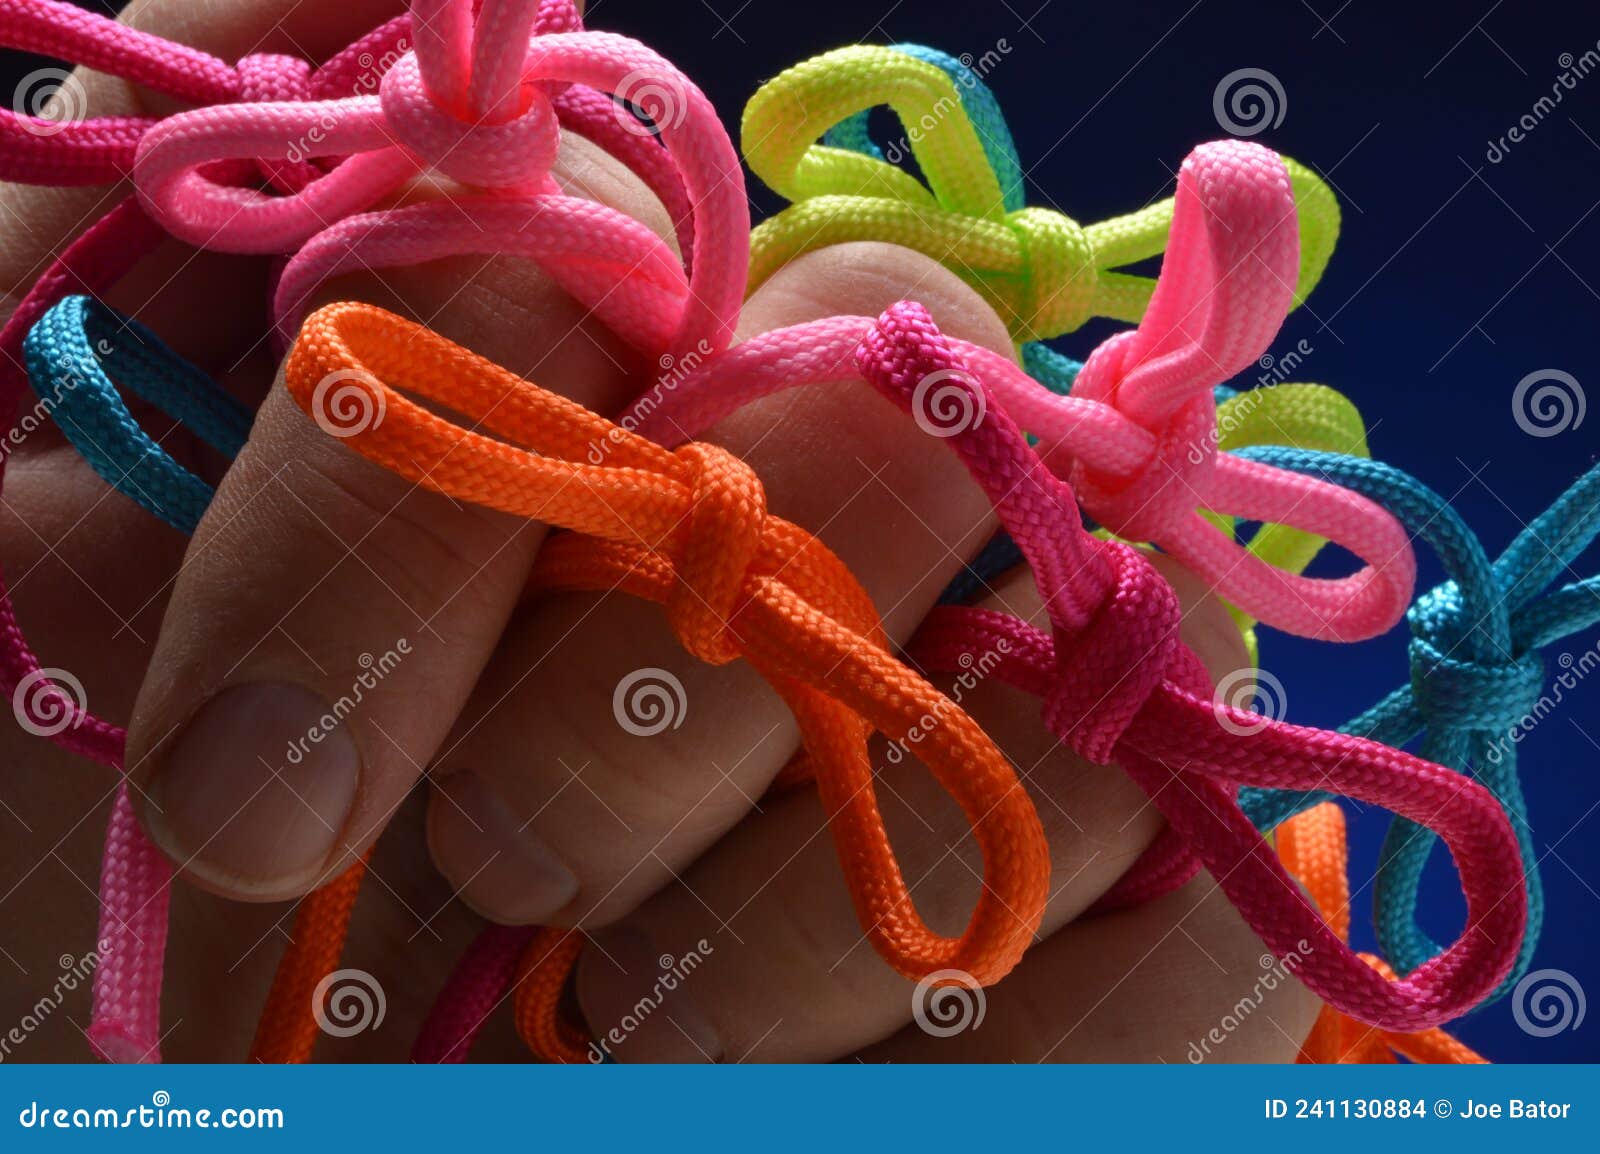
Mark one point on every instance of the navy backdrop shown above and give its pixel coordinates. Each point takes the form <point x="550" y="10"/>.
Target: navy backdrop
<point x="1461" y="269"/>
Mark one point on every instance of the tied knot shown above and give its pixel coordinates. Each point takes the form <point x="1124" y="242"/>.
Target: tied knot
<point x="271" y="76"/>
<point x="1153" y="501"/>
<point x="1059" y="276"/>
<point x="1453" y="689"/>
<point x="476" y="152"/>
<point x="1106" y="671"/>
<point x="719" y="539"/>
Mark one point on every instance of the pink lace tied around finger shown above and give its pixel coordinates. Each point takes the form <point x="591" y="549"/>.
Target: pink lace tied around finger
<point x="1117" y="683"/>
<point x="478" y="97"/>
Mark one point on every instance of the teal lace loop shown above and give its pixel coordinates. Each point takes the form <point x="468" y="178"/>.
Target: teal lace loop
<point x="1477" y="676"/>
<point x="73" y="352"/>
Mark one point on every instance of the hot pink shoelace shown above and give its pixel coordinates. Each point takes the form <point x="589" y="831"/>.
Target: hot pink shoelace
<point x="479" y="100"/>
<point x="1117" y="683"/>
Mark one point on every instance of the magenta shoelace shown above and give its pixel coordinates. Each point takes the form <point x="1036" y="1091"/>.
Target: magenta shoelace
<point x="478" y="98"/>
<point x="467" y="101"/>
<point x="1117" y="683"/>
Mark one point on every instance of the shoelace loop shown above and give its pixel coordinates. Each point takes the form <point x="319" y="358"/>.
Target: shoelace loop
<point x="1480" y="632"/>
<point x="1042" y="271"/>
<point x="1179" y="733"/>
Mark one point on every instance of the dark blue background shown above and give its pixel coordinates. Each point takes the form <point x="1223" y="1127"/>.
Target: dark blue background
<point x="1454" y="277"/>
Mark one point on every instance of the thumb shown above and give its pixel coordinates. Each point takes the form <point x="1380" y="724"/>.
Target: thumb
<point x="330" y="618"/>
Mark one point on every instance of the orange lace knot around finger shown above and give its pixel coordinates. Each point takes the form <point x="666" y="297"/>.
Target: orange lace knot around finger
<point x="689" y="529"/>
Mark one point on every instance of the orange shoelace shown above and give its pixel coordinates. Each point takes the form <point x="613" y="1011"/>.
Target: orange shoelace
<point x="687" y="528"/>
<point x="1314" y="849"/>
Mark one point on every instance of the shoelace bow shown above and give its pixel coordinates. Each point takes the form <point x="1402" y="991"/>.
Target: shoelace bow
<point x="767" y="364"/>
<point x="735" y="582"/>
<point x="1477" y="676"/>
<point x="509" y="69"/>
<point x="1304" y="416"/>
<point x="197" y="163"/>
<point x="1043" y="272"/>
<point x="1103" y="423"/>
<point x="969" y="217"/>
<point x="1314" y="850"/>
<point x="1115" y="625"/>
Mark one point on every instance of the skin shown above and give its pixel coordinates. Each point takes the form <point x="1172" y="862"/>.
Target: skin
<point x="490" y="757"/>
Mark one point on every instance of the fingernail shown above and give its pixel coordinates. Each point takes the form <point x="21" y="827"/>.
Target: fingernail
<point x="637" y="1001"/>
<point x="254" y="793"/>
<point x="501" y="869"/>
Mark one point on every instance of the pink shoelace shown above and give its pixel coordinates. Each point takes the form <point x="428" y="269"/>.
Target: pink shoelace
<point x="478" y="98"/>
<point x="1117" y="683"/>
<point x="467" y="102"/>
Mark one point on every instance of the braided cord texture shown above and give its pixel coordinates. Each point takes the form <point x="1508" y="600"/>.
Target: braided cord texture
<point x="1477" y="676"/>
<point x="689" y="529"/>
<point x="1316" y="853"/>
<point x="1042" y="272"/>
